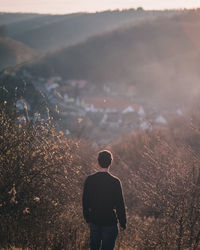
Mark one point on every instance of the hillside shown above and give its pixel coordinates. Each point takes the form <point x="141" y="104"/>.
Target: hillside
<point x="14" y="52"/>
<point x="158" y="56"/>
<point x="133" y="90"/>
<point x="47" y="32"/>
<point x="132" y="78"/>
<point x="8" y="18"/>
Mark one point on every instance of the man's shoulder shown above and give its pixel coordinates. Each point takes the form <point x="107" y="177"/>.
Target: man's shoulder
<point x="97" y="174"/>
<point x="115" y="178"/>
<point x="91" y="176"/>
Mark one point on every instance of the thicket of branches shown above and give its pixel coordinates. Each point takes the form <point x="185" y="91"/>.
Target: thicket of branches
<point x="161" y="176"/>
<point x="42" y="173"/>
<point x="40" y="185"/>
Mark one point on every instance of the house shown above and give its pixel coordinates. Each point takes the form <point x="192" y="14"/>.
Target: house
<point x="179" y="112"/>
<point x="62" y="89"/>
<point x="160" y="119"/>
<point x="51" y="86"/>
<point x="77" y="83"/>
<point x="112" y="119"/>
<point x="114" y="109"/>
<point x="129" y="109"/>
<point x="68" y="99"/>
<point x="22" y="104"/>
<point x="141" y="111"/>
<point x="109" y="104"/>
<point x="145" y="125"/>
<point x="52" y="83"/>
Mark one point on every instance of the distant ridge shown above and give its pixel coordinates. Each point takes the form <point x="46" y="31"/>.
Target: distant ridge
<point x="161" y="55"/>
<point x="8" y="18"/>
<point x="13" y="52"/>
<point x="49" y="32"/>
<point x="116" y="54"/>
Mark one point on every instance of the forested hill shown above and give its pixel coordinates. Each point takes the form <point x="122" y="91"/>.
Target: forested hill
<point x="47" y="32"/>
<point x="9" y="18"/>
<point x="13" y="52"/>
<point x="156" y="54"/>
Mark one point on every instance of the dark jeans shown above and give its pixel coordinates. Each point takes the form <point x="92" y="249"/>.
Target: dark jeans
<point x="104" y="236"/>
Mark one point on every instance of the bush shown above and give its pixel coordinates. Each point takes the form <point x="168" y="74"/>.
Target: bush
<point x="161" y="176"/>
<point x="42" y="173"/>
<point x="40" y="185"/>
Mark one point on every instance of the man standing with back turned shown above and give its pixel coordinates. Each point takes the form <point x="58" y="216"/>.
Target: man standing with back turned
<point x="103" y="205"/>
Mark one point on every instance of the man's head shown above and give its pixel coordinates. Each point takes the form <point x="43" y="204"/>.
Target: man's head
<point x="105" y="158"/>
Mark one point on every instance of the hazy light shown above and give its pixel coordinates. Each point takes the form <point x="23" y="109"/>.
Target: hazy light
<point x="69" y="6"/>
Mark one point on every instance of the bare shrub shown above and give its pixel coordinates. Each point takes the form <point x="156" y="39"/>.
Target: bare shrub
<point x="162" y="177"/>
<point x="40" y="184"/>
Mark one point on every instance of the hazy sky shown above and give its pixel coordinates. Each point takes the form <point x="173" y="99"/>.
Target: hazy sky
<point x="68" y="6"/>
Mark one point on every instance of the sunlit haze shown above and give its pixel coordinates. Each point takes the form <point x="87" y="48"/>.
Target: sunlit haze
<point x="69" y="6"/>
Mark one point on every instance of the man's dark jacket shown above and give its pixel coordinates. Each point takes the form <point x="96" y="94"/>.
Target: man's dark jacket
<point x="103" y="201"/>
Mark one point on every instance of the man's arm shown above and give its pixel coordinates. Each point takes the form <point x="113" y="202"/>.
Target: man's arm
<point x="120" y="207"/>
<point x="85" y="201"/>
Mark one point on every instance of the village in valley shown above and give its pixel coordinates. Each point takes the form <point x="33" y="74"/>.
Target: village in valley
<point x="101" y="113"/>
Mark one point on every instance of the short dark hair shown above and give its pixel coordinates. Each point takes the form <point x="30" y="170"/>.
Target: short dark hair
<point x="105" y="158"/>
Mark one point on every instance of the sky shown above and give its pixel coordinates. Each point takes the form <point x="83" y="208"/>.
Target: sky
<point x="71" y="6"/>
